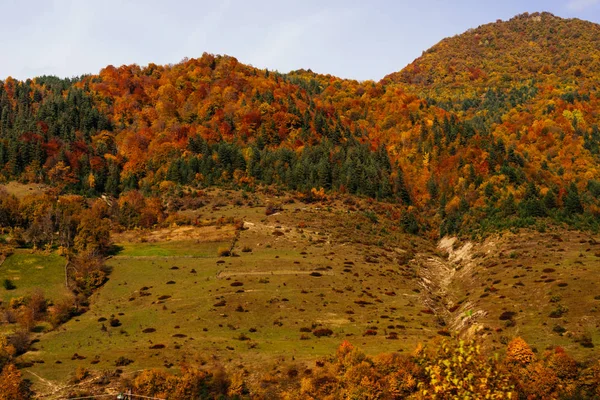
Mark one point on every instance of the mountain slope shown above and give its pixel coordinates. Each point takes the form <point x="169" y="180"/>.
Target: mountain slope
<point x="491" y="128"/>
<point x="537" y="46"/>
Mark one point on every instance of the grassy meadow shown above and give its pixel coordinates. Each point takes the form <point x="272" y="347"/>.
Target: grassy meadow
<point x="301" y="281"/>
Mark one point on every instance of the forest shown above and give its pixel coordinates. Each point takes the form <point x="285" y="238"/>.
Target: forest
<point x="471" y="131"/>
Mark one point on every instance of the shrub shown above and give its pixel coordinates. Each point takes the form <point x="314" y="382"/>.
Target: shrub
<point x="123" y="361"/>
<point x="16" y="302"/>
<point x="563" y="365"/>
<point x="38" y="303"/>
<point x="8" y="284"/>
<point x="273" y="208"/>
<point x="459" y="370"/>
<point x="26" y="318"/>
<point x="12" y="386"/>
<point x="223" y="252"/>
<point x="19" y="341"/>
<point x="90" y="272"/>
<point x="559" y="329"/>
<point x="558" y="312"/>
<point x="507" y="315"/>
<point x="585" y="340"/>
<point x="519" y="352"/>
<point x="8" y="316"/>
<point x="62" y="311"/>
<point x="322" y="332"/>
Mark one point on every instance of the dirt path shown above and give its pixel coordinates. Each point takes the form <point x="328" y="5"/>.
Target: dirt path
<point x="54" y="388"/>
<point x="59" y="392"/>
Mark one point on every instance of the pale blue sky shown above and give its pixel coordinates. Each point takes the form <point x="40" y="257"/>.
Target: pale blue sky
<point x="347" y="38"/>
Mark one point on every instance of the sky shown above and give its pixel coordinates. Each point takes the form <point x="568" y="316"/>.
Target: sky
<point x="357" y="39"/>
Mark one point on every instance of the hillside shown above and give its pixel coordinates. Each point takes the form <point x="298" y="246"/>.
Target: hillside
<point x="541" y="47"/>
<point x="298" y="283"/>
<point x="212" y="215"/>
<point x="486" y="120"/>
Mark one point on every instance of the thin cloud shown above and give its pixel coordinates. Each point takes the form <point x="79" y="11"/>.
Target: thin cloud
<point x="578" y="5"/>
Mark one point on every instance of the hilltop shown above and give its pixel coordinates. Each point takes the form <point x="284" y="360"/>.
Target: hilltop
<point x="539" y="47"/>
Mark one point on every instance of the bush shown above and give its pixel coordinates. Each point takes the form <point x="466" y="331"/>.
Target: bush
<point x="20" y="341"/>
<point x="123" y="361"/>
<point x="62" y="311"/>
<point x="8" y="317"/>
<point x="12" y="386"/>
<point x="16" y="302"/>
<point x="585" y="340"/>
<point x="558" y="312"/>
<point x="559" y="329"/>
<point x="273" y="208"/>
<point x="519" y="352"/>
<point x="223" y="252"/>
<point x="26" y="318"/>
<point x="8" y="284"/>
<point x="90" y="272"/>
<point x="453" y="369"/>
<point x="38" y="303"/>
<point x="322" y="332"/>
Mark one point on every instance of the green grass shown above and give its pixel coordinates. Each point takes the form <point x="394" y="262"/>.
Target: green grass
<point x="268" y="308"/>
<point x="169" y="249"/>
<point x="278" y="296"/>
<point x="29" y="271"/>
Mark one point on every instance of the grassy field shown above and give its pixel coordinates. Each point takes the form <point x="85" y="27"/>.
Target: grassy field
<point x="177" y="301"/>
<point x="309" y="269"/>
<point x="21" y="189"/>
<point x="30" y="270"/>
<point x="541" y="286"/>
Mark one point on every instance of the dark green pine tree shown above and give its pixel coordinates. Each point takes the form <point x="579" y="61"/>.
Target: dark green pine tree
<point x="324" y="173"/>
<point x="401" y="189"/>
<point x="509" y="206"/>
<point x="113" y="180"/>
<point x="572" y="201"/>
<point x="531" y="205"/>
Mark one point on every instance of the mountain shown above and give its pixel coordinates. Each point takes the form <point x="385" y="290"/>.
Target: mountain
<point x="539" y="47"/>
<point x="236" y="224"/>
<point x="491" y="128"/>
